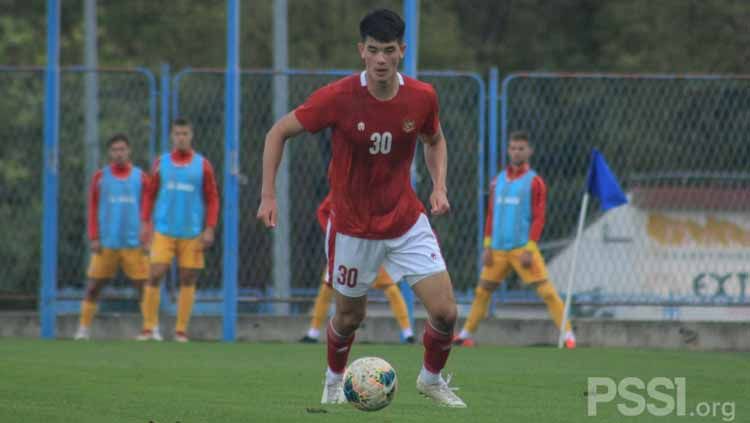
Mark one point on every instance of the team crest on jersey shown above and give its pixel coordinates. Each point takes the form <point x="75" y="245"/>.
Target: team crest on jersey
<point x="409" y="125"/>
<point x="361" y="126"/>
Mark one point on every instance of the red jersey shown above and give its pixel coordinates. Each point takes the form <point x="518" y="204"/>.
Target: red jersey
<point x="538" y="202"/>
<point x="373" y="145"/>
<point x="324" y="212"/>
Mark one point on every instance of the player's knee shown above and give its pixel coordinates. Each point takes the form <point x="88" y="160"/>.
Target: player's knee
<point x="546" y="291"/>
<point x="188" y="277"/>
<point x="485" y="288"/>
<point x="444" y="317"/>
<point x="92" y="291"/>
<point x="349" y="321"/>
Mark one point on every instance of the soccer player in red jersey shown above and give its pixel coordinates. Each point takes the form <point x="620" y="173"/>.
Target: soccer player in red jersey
<point x="376" y="117"/>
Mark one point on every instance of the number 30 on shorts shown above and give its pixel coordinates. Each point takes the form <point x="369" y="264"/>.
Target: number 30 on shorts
<point x="347" y="276"/>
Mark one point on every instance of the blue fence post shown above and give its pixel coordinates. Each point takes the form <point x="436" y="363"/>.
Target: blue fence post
<point x="493" y="100"/>
<point x="164" y="126"/>
<point x="164" y="92"/>
<point x="492" y="168"/>
<point x="231" y="170"/>
<point x="411" y="38"/>
<point x="50" y="160"/>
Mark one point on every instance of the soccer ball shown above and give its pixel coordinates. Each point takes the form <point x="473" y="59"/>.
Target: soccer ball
<point x="370" y="383"/>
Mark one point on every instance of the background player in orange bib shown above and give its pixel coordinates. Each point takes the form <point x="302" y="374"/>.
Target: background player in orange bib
<point x="382" y="282"/>
<point x="115" y="196"/>
<point x="515" y="219"/>
<point x="183" y="201"/>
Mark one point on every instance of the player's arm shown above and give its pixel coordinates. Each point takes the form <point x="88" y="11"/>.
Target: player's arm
<point x="211" y="202"/>
<point x="435" y="155"/>
<point x="487" y="254"/>
<point x="148" y="198"/>
<point x="93" y="213"/>
<point x="538" y="205"/>
<point x="538" y="208"/>
<point x="287" y="127"/>
<point x="436" y="158"/>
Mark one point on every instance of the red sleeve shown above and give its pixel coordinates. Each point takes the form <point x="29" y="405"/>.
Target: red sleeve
<point x="148" y="196"/>
<point x="324" y="212"/>
<point x="490" y="211"/>
<point x="538" y="206"/>
<point x="318" y="111"/>
<point x="93" y="215"/>
<point x="432" y="122"/>
<point x="210" y="195"/>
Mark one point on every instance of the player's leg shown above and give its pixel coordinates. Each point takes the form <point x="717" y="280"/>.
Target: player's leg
<point x="397" y="303"/>
<point x="162" y="253"/>
<point x="353" y="265"/>
<point x="102" y="268"/>
<point x="494" y="271"/>
<point x="436" y="294"/>
<point x="191" y="261"/>
<point x="537" y="276"/>
<point x="135" y="265"/>
<point x="320" y="310"/>
<point x="350" y="311"/>
<point x="417" y="257"/>
<point x="185" y="301"/>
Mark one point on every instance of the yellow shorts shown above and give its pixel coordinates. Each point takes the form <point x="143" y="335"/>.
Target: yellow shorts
<point x="189" y="251"/>
<point x="104" y="265"/>
<point x="505" y="261"/>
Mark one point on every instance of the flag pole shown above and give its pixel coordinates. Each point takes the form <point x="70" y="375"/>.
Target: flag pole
<point x="571" y="274"/>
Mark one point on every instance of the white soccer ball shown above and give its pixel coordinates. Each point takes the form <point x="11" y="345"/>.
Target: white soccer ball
<point x="370" y="383"/>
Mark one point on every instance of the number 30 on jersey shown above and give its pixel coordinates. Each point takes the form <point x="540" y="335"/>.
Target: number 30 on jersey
<point x="381" y="143"/>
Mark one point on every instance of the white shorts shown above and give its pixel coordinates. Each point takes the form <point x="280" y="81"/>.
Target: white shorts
<point x="353" y="263"/>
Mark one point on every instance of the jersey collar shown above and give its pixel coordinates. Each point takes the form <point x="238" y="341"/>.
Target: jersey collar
<point x="363" y="78"/>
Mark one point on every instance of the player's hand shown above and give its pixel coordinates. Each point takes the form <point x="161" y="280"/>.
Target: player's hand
<point x="487" y="257"/>
<point x="96" y="246"/>
<point x="439" y="202"/>
<point x="207" y="237"/>
<point x="526" y="259"/>
<point x="267" y="211"/>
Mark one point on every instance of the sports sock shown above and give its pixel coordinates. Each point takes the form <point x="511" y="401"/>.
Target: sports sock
<point x="398" y="306"/>
<point x="478" y="309"/>
<point x="555" y="306"/>
<point x="185" y="302"/>
<point x="88" y="309"/>
<point x="338" y="349"/>
<point x="151" y="298"/>
<point x="429" y="377"/>
<point x="437" y="347"/>
<point x="320" y="309"/>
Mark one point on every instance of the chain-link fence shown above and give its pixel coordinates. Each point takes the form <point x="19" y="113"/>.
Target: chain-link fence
<point x="125" y="101"/>
<point x="21" y="104"/>
<point x="679" y="146"/>
<point x="199" y="96"/>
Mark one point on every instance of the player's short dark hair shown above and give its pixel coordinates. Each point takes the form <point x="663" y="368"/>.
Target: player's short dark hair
<point x="181" y="121"/>
<point x="382" y="25"/>
<point x="118" y="137"/>
<point x="520" y="136"/>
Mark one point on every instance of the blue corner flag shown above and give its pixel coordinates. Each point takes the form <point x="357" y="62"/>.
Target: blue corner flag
<point x="602" y="183"/>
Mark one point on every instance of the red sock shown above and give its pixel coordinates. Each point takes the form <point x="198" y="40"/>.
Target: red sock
<point x="338" y="349"/>
<point x="437" y="346"/>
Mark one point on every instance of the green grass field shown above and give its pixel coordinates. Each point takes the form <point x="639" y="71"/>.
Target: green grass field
<point x="65" y="381"/>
